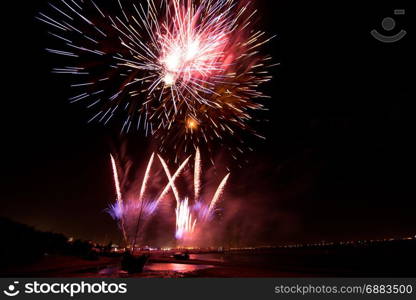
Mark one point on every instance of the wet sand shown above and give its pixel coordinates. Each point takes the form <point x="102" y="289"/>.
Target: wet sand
<point x="156" y="267"/>
<point x="379" y="260"/>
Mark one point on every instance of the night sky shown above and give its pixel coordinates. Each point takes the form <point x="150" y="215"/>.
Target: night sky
<point x="338" y="162"/>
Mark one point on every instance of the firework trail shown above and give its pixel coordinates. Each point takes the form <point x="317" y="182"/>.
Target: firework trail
<point x="185" y="71"/>
<point x="186" y="214"/>
<point x="197" y="175"/>
<point x="134" y="213"/>
<point x="218" y="193"/>
<point x="146" y="178"/>
<point x="171" y="179"/>
<point x="129" y="213"/>
<point x="116" y="179"/>
<point x="140" y="200"/>
<point x="117" y="210"/>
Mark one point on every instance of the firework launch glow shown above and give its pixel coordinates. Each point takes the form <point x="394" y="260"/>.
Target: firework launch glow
<point x="134" y="213"/>
<point x="185" y="71"/>
<point x="185" y="224"/>
<point x="190" y="217"/>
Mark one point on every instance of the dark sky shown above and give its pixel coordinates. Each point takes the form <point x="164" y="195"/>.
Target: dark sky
<point x="338" y="162"/>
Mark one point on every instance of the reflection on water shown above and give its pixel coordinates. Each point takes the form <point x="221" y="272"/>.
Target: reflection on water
<point x="109" y="270"/>
<point x="162" y="269"/>
<point x="182" y="268"/>
<point x="265" y="259"/>
<point x="208" y="257"/>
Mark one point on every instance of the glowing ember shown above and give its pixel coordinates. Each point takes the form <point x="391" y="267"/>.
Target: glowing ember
<point x="191" y="124"/>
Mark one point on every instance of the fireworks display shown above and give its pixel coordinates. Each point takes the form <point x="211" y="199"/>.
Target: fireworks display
<point x="134" y="213"/>
<point x="191" y="217"/>
<point x="133" y="210"/>
<point x="185" y="71"/>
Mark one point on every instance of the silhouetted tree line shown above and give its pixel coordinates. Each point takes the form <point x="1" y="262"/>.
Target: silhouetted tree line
<point x="23" y="244"/>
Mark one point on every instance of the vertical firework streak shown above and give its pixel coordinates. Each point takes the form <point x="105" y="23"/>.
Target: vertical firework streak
<point x="146" y="178"/>
<point x="119" y="204"/>
<point x="197" y="175"/>
<point x="142" y="191"/>
<point x="136" y="208"/>
<point x="116" y="179"/>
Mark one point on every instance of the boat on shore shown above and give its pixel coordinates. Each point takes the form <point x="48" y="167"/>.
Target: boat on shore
<point x="181" y="256"/>
<point x="133" y="263"/>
